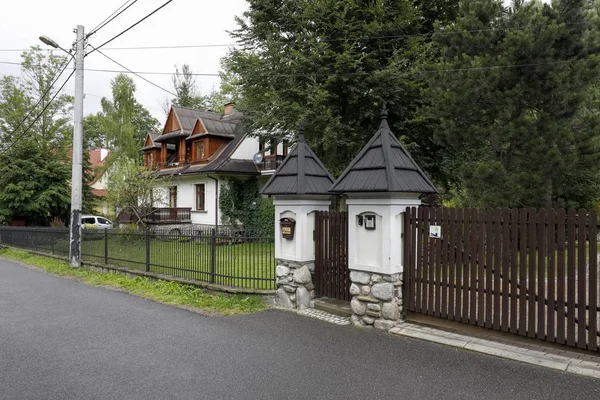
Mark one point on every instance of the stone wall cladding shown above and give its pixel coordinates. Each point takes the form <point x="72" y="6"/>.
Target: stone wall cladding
<point x="376" y="299"/>
<point x="295" y="287"/>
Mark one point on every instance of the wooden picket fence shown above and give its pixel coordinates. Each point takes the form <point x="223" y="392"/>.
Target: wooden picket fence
<point x="525" y="271"/>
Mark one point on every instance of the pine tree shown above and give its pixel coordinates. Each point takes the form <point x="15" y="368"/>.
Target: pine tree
<point x="512" y="95"/>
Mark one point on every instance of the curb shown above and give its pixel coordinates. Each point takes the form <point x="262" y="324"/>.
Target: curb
<point x="510" y="352"/>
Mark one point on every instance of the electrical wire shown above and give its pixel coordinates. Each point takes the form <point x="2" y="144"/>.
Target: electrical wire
<point x="131" y="27"/>
<point x="345" y="38"/>
<point x="62" y="68"/>
<point x="135" y="73"/>
<point x="111" y="17"/>
<point x="38" y="117"/>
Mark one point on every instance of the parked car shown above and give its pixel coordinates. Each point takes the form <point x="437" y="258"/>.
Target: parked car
<point x="93" y="221"/>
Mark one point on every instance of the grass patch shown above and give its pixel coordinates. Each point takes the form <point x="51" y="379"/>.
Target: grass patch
<point x="162" y="291"/>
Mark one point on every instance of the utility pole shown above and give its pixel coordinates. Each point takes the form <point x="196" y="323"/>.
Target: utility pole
<point x="77" y="169"/>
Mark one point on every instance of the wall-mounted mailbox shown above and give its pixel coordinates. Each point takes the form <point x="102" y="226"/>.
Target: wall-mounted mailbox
<point x="370" y="222"/>
<point x="288" y="226"/>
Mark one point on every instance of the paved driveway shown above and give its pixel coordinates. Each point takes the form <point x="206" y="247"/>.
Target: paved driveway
<point x="60" y="339"/>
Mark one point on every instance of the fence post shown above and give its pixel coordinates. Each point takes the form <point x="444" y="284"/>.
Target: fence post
<point x="213" y="254"/>
<point x="147" y="249"/>
<point x="106" y="246"/>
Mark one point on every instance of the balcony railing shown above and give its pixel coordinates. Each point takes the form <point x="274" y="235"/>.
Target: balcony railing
<point x="165" y="215"/>
<point x="271" y="162"/>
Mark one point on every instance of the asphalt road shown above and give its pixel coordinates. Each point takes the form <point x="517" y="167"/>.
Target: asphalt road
<point x="61" y="339"/>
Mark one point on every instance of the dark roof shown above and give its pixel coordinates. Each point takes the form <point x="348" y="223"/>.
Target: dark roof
<point x="383" y="165"/>
<point x="300" y="173"/>
<point x="221" y="162"/>
<point x="214" y="122"/>
<point x="171" y="135"/>
<point x="154" y="144"/>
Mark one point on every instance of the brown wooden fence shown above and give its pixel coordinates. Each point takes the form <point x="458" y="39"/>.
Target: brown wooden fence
<point x="332" y="277"/>
<point x="525" y="271"/>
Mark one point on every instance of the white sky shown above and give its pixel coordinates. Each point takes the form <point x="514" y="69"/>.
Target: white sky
<point x="182" y="22"/>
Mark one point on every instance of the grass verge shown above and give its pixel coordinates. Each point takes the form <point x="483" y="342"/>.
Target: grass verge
<point x="163" y="291"/>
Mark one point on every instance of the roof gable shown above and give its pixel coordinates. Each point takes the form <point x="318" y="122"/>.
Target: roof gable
<point x="173" y="124"/>
<point x="301" y="172"/>
<point x="383" y="165"/>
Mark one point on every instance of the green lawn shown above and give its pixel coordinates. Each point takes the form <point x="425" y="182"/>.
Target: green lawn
<point x="245" y="265"/>
<point x="250" y="265"/>
<point x="162" y="291"/>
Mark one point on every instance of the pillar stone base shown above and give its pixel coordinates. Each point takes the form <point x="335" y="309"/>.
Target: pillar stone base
<point x="376" y="299"/>
<point x="295" y="287"/>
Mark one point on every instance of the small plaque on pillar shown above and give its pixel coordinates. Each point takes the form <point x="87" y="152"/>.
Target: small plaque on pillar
<point x="288" y="226"/>
<point x="435" y="232"/>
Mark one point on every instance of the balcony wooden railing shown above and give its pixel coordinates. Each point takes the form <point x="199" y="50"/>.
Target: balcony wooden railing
<point x="164" y="215"/>
<point x="271" y="162"/>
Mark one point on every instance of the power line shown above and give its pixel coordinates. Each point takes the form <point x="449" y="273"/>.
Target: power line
<point x="131" y="27"/>
<point x="135" y="73"/>
<point x="39" y="115"/>
<point x="57" y="77"/>
<point x="345" y="38"/>
<point x="108" y="19"/>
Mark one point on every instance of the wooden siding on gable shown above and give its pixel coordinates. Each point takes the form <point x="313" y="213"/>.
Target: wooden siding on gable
<point x="199" y="127"/>
<point x="148" y="141"/>
<point x="172" y="123"/>
<point x="214" y="144"/>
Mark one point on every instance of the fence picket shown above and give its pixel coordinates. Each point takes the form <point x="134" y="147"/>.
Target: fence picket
<point x="459" y="264"/>
<point x="494" y="305"/>
<point x="551" y="273"/>
<point x="581" y="279"/>
<point x="531" y="270"/>
<point x="560" y="276"/>
<point x="593" y="282"/>
<point x="541" y="275"/>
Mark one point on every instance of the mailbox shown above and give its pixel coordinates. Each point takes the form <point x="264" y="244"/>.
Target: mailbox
<point x="370" y="222"/>
<point x="288" y="226"/>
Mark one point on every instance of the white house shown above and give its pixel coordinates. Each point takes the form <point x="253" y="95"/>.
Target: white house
<point x="197" y="152"/>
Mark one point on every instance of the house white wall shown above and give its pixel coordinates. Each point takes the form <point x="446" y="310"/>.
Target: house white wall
<point x="186" y="197"/>
<point x="250" y="146"/>
<point x="247" y="149"/>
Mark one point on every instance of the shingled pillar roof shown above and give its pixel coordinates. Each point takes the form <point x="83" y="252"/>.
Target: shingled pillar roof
<point x="300" y="173"/>
<point x="383" y="165"/>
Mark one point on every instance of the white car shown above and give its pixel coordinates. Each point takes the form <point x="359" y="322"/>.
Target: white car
<point x="93" y="221"/>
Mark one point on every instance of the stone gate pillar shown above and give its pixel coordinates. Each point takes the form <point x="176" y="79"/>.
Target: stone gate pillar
<point x="300" y="188"/>
<point x="381" y="182"/>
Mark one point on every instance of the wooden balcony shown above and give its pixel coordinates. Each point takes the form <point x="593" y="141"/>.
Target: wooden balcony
<point x="271" y="162"/>
<point x="170" y="216"/>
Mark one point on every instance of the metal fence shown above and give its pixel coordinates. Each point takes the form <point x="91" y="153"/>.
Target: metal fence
<point x="224" y="256"/>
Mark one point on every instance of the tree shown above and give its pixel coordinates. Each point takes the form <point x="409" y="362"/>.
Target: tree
<point x="330" y="64"/>
<point x="35" y="164"/>
<point x="123" y="122"/>
<point x="513" y="97"/>
<point x="188" y="94"/>
<point x="133" y="189"/>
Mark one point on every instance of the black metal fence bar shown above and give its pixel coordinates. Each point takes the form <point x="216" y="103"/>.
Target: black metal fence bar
<point x="223" y="255"/>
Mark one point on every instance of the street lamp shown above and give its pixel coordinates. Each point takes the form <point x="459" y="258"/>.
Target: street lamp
<point x="47" y="41"/>
<point x="77" y="171"/>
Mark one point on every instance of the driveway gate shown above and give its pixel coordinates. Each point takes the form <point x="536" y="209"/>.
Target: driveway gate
<point x="529" y="272"/>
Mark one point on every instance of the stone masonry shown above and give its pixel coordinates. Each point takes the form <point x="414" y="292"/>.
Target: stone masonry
<point x="376" y="299"/>
<point x="295" y="287"/>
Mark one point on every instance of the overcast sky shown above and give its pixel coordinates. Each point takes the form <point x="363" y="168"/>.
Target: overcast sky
<point x="182" y="22"/>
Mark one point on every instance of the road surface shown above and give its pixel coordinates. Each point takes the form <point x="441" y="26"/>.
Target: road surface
<point x="61" y="339"/>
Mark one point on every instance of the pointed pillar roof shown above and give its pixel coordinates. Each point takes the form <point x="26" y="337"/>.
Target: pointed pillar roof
<point x="300" y="173"/>
<point x="383" y="165"/>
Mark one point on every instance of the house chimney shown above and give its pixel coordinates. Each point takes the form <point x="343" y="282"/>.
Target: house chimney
<point x="229" y="109"/>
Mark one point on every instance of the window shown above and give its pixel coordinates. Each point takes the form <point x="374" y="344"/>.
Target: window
<point x="199" y="150"/>
<point x="200" y="197"/>
<point x="150" y="163"/>
<point x="88" y="220"/>
<point x="173" y="197"/>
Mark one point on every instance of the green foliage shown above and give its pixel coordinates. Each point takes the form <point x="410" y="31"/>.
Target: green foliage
<point x="523" y="135"/>
<point x="184" y="84"/>
<point x="331" y="64"/>
<point x="240" y="203"/>
<point x="36" y="169"/>
<point x="131" y="187"/>
<point x="159" y="290"/>
<point x="265" y="216"/>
